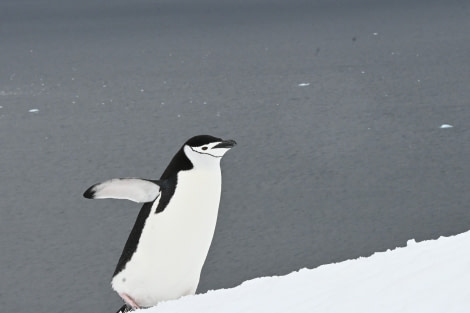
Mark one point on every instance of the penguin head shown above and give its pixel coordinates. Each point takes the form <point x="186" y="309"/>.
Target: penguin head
<point x="204" y="148"/>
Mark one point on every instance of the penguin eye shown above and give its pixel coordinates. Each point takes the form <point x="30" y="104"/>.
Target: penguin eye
<point x="204" y="148"/>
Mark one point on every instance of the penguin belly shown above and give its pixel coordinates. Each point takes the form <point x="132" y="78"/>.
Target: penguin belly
<point x="174" y="243"/>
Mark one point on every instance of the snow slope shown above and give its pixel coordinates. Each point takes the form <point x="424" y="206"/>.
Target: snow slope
<point x="430" y="276"/>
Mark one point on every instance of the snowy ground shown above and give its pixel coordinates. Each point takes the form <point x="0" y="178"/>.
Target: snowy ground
<point x="430" y="276"/>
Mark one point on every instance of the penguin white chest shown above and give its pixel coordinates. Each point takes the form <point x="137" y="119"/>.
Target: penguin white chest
<point x="174" y="243"/>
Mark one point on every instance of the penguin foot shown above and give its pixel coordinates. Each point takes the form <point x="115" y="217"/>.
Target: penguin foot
<point x="125" y="308"/>
<point x="129" y="301"/>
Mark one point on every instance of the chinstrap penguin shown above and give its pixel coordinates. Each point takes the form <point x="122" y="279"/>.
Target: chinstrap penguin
<point x="166" y="249"/>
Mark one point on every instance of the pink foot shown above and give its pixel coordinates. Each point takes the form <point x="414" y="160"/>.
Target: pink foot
<point x="129" y="300"/>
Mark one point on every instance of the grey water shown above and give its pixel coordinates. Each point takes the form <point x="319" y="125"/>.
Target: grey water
<point x="336" y="107"/>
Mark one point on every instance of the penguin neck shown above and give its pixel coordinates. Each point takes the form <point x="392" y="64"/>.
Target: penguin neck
<point x="180" y="162"/>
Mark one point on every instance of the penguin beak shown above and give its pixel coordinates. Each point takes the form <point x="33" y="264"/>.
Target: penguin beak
<point x="227" y="144"/>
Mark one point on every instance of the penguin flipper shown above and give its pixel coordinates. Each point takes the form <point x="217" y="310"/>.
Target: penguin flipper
<point x="133" y="189"/>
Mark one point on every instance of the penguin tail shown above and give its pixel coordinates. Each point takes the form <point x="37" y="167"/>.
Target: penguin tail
<point x="125" y="308"/>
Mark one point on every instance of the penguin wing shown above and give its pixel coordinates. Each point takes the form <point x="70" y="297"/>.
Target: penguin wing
<point x="134" y="189"/>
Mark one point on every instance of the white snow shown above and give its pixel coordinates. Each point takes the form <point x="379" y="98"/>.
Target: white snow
<point x="446" y="126"/>
<point x="426" y="277"/>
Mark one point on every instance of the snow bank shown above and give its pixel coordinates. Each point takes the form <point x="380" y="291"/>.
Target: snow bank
<point x="430" y="276"/>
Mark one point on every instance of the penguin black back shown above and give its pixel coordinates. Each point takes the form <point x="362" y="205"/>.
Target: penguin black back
<point x="134" y="236"/>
